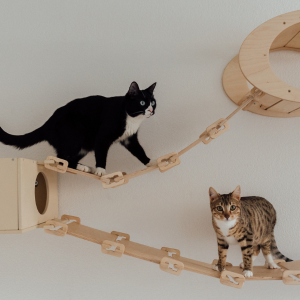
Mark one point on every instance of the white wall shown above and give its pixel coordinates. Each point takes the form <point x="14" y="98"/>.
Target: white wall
<point x="55" y="51"/>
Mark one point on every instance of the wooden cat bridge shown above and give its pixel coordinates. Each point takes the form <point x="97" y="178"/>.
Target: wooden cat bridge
<point x="29" y="197"/>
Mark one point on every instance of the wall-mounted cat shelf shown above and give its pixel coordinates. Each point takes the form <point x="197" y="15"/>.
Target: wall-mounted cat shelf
<point x="164" y="163"/>
<point x="278" y="99"/>
<point x="169" y="259"/>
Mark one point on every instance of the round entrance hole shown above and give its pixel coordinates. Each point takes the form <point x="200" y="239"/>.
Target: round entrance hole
<point x="41" y="194"/>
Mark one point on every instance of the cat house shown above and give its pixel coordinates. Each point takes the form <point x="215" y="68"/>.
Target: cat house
<point x="29" y="195"/>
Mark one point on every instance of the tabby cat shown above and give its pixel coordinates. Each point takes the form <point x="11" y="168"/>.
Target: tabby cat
<point x="93" y="124"/>
<point x="249" y="221"/>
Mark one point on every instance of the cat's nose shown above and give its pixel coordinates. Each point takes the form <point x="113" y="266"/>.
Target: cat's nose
<point x="150" y="109"/>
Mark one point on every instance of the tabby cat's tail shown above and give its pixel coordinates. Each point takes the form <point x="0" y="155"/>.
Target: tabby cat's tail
<point x="275" y="252"/>
<point x="22" y="141"/>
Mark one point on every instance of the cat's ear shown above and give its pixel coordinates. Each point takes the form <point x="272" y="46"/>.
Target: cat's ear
<point x="133" y="89"/>
<point x="151" y="88"/>
<point x="213" y="195"/>
<point x="236" y="194"/>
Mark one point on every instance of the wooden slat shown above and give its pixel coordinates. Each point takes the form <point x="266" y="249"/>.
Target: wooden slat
<point x="285" y="106"/>
<point x="268" y="100"/>
<point x="285" y="36"/>
<point x="295" y="42"/>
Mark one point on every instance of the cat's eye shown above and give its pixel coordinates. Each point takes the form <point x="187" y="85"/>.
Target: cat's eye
<point x="219" y="208"/>
<point x="233" y="207"/>
<point x="152" y="103"/>
<point x="142" y="103"/>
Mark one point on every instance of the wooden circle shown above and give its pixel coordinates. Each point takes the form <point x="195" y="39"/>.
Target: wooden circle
<point x="254" y="55"/>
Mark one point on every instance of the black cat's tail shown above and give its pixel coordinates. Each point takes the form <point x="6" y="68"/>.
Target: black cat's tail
<point x="22" y="141"/>
<point x="275" y="252"/>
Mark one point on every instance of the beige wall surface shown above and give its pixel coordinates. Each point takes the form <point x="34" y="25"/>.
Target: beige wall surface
<point x="55" y="51"/>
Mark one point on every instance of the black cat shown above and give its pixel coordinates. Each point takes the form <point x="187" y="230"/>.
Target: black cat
<point x="93" y="124"/>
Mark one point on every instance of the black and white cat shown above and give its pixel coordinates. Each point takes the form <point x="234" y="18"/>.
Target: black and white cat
<point x="93" y="124"/>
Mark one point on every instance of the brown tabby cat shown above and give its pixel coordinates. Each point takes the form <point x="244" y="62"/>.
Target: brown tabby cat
<point x="249" y="221"/>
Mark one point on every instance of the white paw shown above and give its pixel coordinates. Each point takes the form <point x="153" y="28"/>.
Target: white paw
<point x="100" y="171"/>
<point x="215" y="267"/>
<point x="272" y="265"/>
<point x="151" y="163"/>
<point x="247" y="273"/>
<point x="242" y="265"/>
<point x="84" y="168"/>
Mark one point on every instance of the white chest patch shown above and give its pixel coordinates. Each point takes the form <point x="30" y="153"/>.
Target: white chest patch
<point x="132" y="126"/>
<point x="224" y="227"/>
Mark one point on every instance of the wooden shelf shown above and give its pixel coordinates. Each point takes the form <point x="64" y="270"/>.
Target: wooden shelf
<point x="251" y="65"/>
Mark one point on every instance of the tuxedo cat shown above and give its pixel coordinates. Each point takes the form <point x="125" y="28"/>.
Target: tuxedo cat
<point x="93" y="124"/>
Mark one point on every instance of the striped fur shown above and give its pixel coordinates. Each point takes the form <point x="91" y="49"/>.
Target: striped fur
<point x="249" y="221"/>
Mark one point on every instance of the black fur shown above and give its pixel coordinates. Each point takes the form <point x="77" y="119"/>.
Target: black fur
<point x="92" y="124"/>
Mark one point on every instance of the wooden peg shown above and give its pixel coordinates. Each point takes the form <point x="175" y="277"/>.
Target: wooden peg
<point x="287" y="279"/>
<point x="59" y="232"/>
<point x="56" y="166"/>
<point x="239" y="278"/>
<point x="115" y="179"/>
<point x="71" y="218"/>
<point x="175" y="252"/>
<point x="164" y="265"/>
<point x="125" y="235"/>
<point x="118" y="252"/>
<point x="168" y="161"/>
<point x="214" y="130"/>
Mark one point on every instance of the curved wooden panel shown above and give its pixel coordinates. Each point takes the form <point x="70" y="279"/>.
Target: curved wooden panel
<point x="254" y="56"/>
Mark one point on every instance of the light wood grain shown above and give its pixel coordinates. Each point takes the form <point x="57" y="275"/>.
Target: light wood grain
<point x="254" y="57"/>
<point x="154" y="255"/>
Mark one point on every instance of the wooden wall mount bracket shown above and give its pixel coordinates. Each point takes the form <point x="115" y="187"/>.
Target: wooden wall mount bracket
<point x="112" y="180"/>
<point x="59" y="232"/>
<point x="118" y="252"/>
<point x="168" y="161"/>
<point x="214" y="130"/>
<point x="121" y="234"/>
<point x="287" y="279"/>
<point x="71" y="218"/>
<point x="165" y="265"/>
<point x="57" y="167"/>
<point x="239" y="278"/>
<point x="175" y="252"/>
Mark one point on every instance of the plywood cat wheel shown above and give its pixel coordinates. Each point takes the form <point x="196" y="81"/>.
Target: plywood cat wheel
<point x="277" y="98"/>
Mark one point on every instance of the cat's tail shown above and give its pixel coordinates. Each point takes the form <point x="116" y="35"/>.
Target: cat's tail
<point x="275" y="252"/>
<point x="22" y="141"/>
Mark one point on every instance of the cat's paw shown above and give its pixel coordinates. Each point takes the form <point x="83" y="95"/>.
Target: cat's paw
<point x="272" y="265"/>
<point x="242" y="265"/>
<point x="100" y="171"/>
<point x="247" y="273"/>
<point x="151" y="163"/>
<point x="83" y="168"/>
<point x="215" y="267"/>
